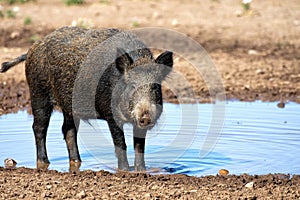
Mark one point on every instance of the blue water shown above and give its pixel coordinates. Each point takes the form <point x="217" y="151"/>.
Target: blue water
<point x="193" y="139"/>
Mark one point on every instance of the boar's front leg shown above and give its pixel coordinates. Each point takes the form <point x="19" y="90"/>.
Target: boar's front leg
<point x="139" y="136"/>
<point x="120" y="146"/>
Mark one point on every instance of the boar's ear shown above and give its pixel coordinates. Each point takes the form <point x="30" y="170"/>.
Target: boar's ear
<point x="123" y="60"/>
<point x="166" y="59"/>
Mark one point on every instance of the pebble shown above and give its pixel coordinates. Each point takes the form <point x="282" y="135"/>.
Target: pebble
<point x="16" y="9"/>
<point x="14" y="35"/>
<point x="252" y="52"/>
<point x="175" y="22"/>
<point x="249" y="185"/>
<point x="238" y="13"/>
<point x="223" y="172"/>
<point x="156" y="15"/>
<point x="281" y="105"/>
<point x="81" y="194"/>
<point x="260" y="71"/>
<point x="147" y="195"/>
<point x="10" y="163"/>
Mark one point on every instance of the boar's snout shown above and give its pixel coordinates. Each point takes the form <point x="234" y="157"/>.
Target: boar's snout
<point x="144" y="120"/>
<point x="145" y="114"/>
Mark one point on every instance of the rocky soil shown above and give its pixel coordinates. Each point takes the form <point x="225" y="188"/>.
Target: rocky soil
<point x="24" y="183"/>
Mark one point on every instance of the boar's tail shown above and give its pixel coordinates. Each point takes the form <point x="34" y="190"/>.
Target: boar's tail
<point x="7" y="65"/>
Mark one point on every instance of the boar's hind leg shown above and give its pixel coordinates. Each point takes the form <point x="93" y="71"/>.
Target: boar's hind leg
<point x="120" y="145"/>
<point x="70" y="135"/>
<point x="41" y="109"/>
<point x="139" y="136"/>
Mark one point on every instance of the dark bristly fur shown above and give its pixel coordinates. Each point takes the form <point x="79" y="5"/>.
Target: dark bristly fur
<point x="129" y="90"/>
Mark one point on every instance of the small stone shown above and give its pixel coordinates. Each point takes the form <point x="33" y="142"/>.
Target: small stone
<point x="249" y="185"/>
<point x="175" y="22"/>
<point x="10" y="163"/>
<point x="49" y="187"/>
<point x="223" y="172"/>
<point x="155" y="187"/>
<point x="16" y="9"/>
<point x="238" y="13"/>
<point x="252" y="52"/>
<point x="81" y="194"/>
<point x="14" y="35"/>
<point x="281" y="105"/>
<point x="74" y="23"/>
<point x="260" y="71"/>
<point x="247" y="87"/>
<point x="147" y="195"/>
<point x="156" y="15"/>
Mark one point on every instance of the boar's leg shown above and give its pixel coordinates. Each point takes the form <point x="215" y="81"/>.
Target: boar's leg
<point x="70" y="135"/>
<point x="139" y="136"/>
<point x="120" y="145"/>
<point x="41" y="109"/>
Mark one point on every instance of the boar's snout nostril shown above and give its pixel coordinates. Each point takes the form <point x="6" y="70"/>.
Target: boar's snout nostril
<point x="145" y="120"/>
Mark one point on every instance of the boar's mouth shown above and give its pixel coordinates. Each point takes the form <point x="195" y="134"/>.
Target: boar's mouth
<point x="143" y="125"/>
<point x="144" y="114"/>
<point x="142" y="120"/>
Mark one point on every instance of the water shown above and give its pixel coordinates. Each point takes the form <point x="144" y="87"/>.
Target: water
<point x="256" y="138"/>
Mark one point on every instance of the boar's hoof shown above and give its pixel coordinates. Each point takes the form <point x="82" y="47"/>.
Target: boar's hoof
<point x="140" y="168"/>
<point x="123" y="167"/>
<point x="74" y="166"/>
<point x="42" y="165"/>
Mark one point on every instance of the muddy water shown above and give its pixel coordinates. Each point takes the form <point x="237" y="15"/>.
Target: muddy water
<point x="256" y="138"/>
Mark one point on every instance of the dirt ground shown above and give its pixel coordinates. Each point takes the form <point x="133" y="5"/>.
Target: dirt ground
<point x="256" y="53"/>
<point x="23" y="183"/>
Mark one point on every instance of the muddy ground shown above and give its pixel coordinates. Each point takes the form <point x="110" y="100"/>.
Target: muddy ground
<point x="256" y="52"/>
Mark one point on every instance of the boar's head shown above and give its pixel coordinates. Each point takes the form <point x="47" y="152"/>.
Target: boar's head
<point x="139" y="93"/>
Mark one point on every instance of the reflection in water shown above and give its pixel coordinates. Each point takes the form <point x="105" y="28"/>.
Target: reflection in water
<point x="257" y="138"/>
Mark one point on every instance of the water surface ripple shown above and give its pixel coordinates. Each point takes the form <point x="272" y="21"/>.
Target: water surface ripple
<point x="257" y="138"/>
